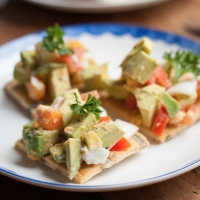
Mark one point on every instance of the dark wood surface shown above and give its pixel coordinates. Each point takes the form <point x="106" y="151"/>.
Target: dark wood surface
<point x="177" y="16"/>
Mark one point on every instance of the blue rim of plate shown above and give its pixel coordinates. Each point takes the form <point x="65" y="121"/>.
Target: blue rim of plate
<point x="95" y="30"/>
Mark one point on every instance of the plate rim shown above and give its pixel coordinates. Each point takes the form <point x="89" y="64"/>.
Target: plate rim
<point x="94" y="6"/>
<point x="97" y="29"/>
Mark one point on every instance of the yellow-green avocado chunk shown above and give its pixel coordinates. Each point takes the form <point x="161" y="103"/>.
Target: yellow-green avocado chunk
<point x="147" y="104"/>
<point x="145" y="44"/>
<point x="73" y="156"/>
<point x="171" y="105"/>
<point x="140" y="67"/>
<point x="109" y="133"/>
<point x="79" y="125"/>
<point x="58" y="82"/>
<point x="64" y="108"/>
<point x="38" y="141"/>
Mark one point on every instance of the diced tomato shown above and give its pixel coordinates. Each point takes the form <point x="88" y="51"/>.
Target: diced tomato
<point x="131" y="102"/>
<point x="159" y="76"/>
<point x="122" y="144"/>
<point x="79" y="52"/>
<point x="161" y="121"/>
<point x="198" y="90"/>
<point x="189" y="107"/>
<point x="151" y="80"/>
<point x="94" y="93"/>
<point x="72" y="65"/>
<point x="105" y="119"/>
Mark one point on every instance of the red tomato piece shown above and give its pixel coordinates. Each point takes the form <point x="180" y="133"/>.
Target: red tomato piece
<point x="72" y="65"/>
<point x="131" y="102"/>
<point x="161" y="121"/>
<point x="161" y="76"/>
<point x="122" y="144"/>
<point x="79" y="51"/>
<point x="105" y="119"/>
<point x="94" y="93"/>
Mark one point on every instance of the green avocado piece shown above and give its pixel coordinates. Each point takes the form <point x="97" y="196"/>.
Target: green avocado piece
<point x="172" y="106"/>
<point x="147" y="105"/>
<point x="92" y="78"/>
<point x="58" y="153"/>
<point x="140" y="67"/>
<point x="92" y="140"/>
<point x="43" y="71"/>
<point x="154" y="89"/>
<point x="38" y="142"/>
<point x="29" y="59"/>
<point x="114" y="87"/>
<point x="109" y="133"/>
<point x="21" y="74"/>
<point x="185" y="100"/>
<point x="80" y="124"/>
<point x="72" y="149"/>
<point x="145" y="44"/>
<point x="69" y="98"/>
<point x="58" y="82"/>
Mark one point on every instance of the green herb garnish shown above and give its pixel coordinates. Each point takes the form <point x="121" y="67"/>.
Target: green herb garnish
<point x="182" y="62"/>
<point x="54" y="40"/>
<point x="90" y="106"/>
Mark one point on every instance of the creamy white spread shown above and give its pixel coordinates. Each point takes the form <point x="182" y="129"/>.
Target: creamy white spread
<point x="95" y="156"/>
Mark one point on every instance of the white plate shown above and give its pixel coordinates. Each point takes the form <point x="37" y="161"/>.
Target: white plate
<point x="95" y="6"/>
<point x="109" y="42"/>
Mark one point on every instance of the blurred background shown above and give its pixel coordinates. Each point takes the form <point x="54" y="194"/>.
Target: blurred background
<point x="20" y="17"/>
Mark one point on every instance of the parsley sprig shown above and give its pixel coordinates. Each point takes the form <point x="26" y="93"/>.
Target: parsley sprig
<point x="91" y="106"/>
<point x="182" y="62"/>
<point x="54" y="40"/>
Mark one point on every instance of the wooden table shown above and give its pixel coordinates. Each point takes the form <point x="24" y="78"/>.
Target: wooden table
<point x="178" y="16"/>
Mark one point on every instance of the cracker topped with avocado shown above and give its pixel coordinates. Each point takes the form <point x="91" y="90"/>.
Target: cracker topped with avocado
<point x="47" y="71"/>
<point x="162" y="100"/>
<point x="76" y="138"/>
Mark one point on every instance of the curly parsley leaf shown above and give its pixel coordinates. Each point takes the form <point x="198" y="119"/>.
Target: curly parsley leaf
<point x="182" y="62"/>
<point x="91" y="106"/>
<point x="54" y="40"/>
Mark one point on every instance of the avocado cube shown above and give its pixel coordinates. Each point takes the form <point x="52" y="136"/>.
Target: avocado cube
<point x="114" y="87"/>
<point x="92" y="78"/>
<point x="58" y="153"/>
<point x="44" y="70"/>
<point x="58" y="82"/>
<point x="38" y="142"/>
<point x="109" y="133"/>
<point x="69" y="98"/>
<point x="29" y="59"/>
<point x="21" y="74"/>
<point x="92" y="140"/>
<point x="172" y="106"/>
<point x="140" y="67"/>
<point x="147" y="105"/>
<point x="73" y="156"/>
<point x="79" y="125"/>
<point x="145" y="44"/>
<point x="154" y="89"/>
